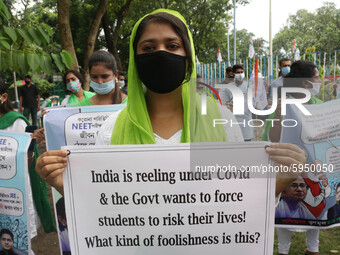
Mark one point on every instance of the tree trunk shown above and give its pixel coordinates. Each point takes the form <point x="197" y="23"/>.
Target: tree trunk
<point x="107" y="32"/>
<point x="91" y="40"/>
<point x="65" y="30"/>
<point x="112" y="41"/>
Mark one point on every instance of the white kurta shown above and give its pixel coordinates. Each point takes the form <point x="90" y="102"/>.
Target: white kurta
<point x="233" y="134"/>
<point x="247" y="130"/>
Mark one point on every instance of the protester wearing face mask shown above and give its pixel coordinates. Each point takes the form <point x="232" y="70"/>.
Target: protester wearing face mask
<point x="12" y="121"/>
<point x="29" y="98"/>
<point x="162" y="85"/>
<point x="73" y="81"/>
<point x="103" y="74"/>
<point x="121" y="79"/>
<point x="227" y="99"/>
<point x="122" y="82"/>
<point x="230" y="75"/>
<point x="303" y="74"/>
<point x="284" y="69"/>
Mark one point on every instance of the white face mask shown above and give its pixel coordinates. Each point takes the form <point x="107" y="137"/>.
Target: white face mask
<point x="239" y="76"/>
<point x="121" y="84"/>
<point x="315" y="89"/>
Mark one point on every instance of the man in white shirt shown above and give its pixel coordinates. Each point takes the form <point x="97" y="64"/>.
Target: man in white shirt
<point x="284" y="68"/>
<point x="227" y="99"/>
<point x="230" y="75"/>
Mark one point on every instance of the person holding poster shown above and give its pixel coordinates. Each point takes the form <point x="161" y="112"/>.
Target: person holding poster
<point x="303" y="74"/>
<point x="104" y="81"/>
<point x="162" y="58"/>
<point x="13" y="121"/>
<point x="10" y="120"/>
<point x="73" y="81"/>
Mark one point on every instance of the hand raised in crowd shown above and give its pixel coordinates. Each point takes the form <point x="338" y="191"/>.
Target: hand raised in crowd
<point x="286" y="155"/>
<point x="39" y="135"/>
<point x="43" y="112"/>
<point x="229" y="105"/>
<point x="50" y="166"/>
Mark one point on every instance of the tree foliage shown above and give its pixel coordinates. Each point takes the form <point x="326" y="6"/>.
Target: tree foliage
<point x="207" y="20"/>
<point x="319" y="29"/>
<point x="242" y="45"/>
<point x="23" y="47"/>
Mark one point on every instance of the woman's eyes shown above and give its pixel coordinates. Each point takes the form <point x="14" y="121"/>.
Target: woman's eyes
<point x="71" y="79"/>
<point x="104" y="76"/>
<point x="148" y="48"/>
<point x="171" y="47"/>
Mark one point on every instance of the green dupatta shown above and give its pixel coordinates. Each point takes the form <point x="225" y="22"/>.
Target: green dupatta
<point x="38" y="186"/>
<point x="133" y="125"/>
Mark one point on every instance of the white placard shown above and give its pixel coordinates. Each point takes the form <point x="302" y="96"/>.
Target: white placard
<point x="144" y="200"/>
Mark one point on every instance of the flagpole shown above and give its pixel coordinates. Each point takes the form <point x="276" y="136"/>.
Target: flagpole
<point x="234" y="32"/>
<point x="228" y="48"/>
<point x="270" y="64"/>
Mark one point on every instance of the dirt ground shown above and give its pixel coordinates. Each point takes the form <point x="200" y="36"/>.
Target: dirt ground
<point x="46" y="244"/>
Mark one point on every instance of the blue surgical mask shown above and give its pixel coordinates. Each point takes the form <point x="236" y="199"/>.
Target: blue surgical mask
<point x="104" y="88"/>
<point x="285" y="70"/>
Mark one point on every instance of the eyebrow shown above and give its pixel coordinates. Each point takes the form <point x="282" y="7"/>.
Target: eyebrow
<point x="169" y="39"/>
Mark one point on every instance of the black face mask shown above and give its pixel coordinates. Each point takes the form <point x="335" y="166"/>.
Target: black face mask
<point x="161" y="71"/>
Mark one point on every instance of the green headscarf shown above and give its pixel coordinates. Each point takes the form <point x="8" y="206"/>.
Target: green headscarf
<point x="133" y="125"/>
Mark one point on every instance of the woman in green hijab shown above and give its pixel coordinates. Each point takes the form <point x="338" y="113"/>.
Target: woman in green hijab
<point x="73" y="81"/>
<point x="163" y="105"/>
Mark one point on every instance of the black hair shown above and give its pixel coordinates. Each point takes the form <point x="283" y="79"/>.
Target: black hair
<point x="298" y="70"/>
<point x="6" y="106"/>
<point x="229" y="69"/>
<point x="77" y="74"/>
<point x="60" y="207"/>
<point x="105" y="57"/>
<point x="237" y="66"/>
<point x="8" y="232"/>
<point x="45" y="95"/>
<point x="282" y="60"/>
<point x="121" y="73"/>
<point x="337" y="186"/>
<point x="28" y="76"/>
<point x="177" y="25"/>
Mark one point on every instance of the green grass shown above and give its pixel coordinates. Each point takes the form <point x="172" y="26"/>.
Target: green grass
<point x="329" y="240"/>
